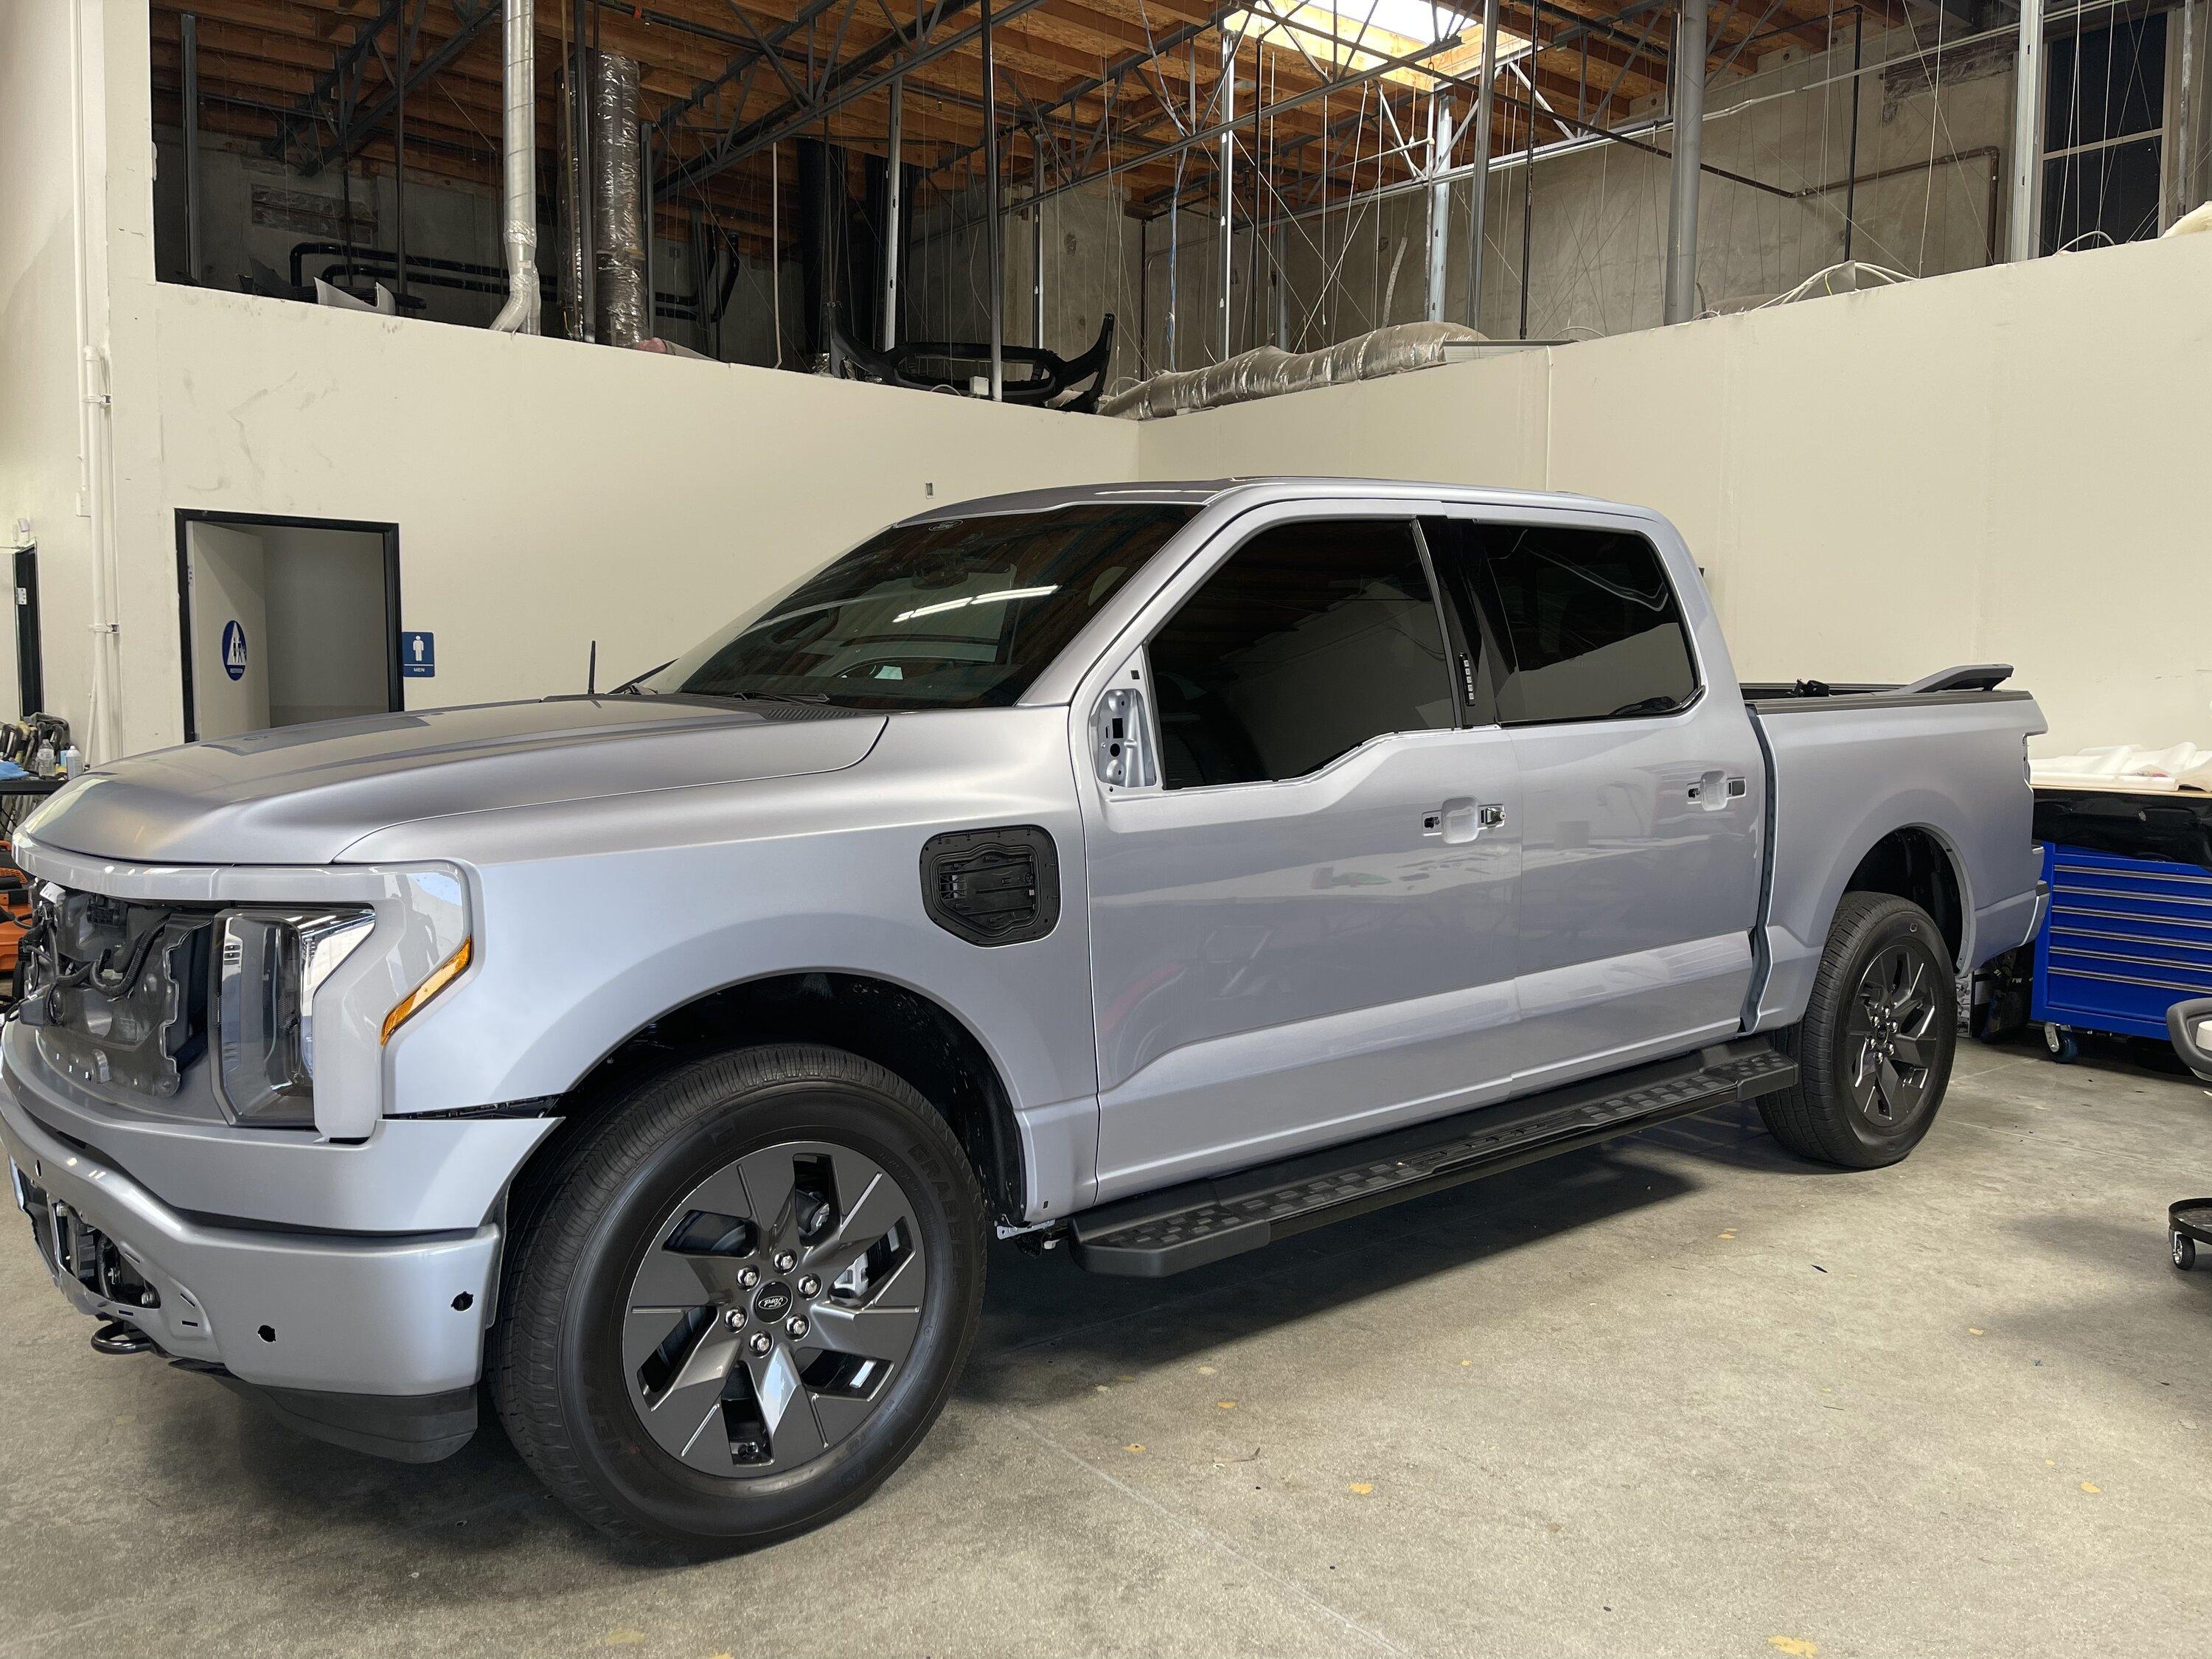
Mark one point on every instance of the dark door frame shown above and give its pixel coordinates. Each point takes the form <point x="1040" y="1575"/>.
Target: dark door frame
<point x="30" y="645"/>
<point x="395" y="690"/>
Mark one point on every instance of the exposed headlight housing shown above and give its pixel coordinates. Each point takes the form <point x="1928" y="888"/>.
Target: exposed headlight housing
<point x="268" y="965"/>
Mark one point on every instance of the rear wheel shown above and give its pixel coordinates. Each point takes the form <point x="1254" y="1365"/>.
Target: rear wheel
<point x="737" y="1304"/>
<point x="1874" y="1051"/>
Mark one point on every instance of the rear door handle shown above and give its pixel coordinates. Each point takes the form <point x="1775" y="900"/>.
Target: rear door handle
<point x="1716" y="790"/>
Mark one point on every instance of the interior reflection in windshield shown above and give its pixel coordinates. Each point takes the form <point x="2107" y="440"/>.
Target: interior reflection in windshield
<point x="957" y="612"/>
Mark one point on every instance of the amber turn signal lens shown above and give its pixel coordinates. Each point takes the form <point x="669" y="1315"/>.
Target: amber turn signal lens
<point x="419" y="999"/>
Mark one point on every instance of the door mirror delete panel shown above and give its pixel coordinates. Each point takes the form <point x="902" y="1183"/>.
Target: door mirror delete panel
<point x="1121" y="740"/>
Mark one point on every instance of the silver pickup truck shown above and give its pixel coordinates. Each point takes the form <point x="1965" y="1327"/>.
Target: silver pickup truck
<point x="1144" y="873"/>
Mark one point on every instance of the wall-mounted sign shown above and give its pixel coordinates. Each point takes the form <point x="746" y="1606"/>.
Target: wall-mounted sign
<point x="418" y="656"/>
<point x="234" y="649"/>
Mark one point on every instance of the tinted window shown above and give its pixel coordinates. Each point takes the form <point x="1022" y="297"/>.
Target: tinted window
<point x="957" y="612"/>
<point x="1313" y="638"/>
<point x="1586" y="624"/>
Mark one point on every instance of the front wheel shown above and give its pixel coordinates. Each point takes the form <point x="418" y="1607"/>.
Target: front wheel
<point x="1874" y="1052"/>
<point x="737" y="1303"/>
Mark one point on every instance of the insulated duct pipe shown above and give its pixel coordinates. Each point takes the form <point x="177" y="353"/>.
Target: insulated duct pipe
<point x="617" y="226"/>
<point x="1268" y="372"/>
<point x="1689" y="137"/>
<point x="519" y="171"/>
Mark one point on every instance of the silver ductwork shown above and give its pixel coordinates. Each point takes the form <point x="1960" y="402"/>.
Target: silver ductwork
<point x="1268" y="371"/>
<point x="617" y="187"/>
<point x="518" y="170"/>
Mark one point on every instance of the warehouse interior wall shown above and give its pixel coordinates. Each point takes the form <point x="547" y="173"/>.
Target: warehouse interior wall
<point x="1996" y="466"/>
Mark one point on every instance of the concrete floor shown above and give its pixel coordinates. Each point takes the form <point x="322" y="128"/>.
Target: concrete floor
<point x="1681" y="1395"/>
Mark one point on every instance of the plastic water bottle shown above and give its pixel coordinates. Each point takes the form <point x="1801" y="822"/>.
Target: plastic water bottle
<point x="72" y="761"/>
<point x="42" y="763"/>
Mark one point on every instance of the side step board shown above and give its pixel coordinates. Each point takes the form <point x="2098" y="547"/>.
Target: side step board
<point x="1187" y="1227"/>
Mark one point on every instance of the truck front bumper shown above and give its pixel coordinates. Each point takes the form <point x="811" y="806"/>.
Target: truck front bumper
<point x="375" y="1341"/>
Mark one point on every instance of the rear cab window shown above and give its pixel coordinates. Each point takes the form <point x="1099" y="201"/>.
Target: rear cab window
<point x="1579" y="623"/>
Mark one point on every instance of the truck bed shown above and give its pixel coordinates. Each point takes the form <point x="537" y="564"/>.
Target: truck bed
<point x="1945" y="755"/>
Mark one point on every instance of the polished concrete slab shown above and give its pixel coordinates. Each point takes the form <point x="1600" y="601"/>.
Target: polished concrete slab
<point x="1681" y="1395"/>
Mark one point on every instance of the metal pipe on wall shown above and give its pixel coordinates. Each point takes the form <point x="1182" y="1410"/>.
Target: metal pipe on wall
<point x="2026" y="133"/>
<point x="997" y="288"/>
<point x="1036" y="249"/>
<point x="893" y="215"/>
<point x="518" y="169"/>
<point x="1485" y="107"/>
<point x="1440" y="143"/>
<point x="1227" y="182"/>
<point x="188" y="31"/>
<point x="1858" y="93"/>
<point x="1689" y="135"/>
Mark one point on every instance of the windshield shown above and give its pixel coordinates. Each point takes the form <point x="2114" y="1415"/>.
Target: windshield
<point x="955" y="613"/>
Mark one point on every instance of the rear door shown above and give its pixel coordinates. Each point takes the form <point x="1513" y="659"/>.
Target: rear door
<point x="1301" y="917"/>
<point x="1642" y="789"/>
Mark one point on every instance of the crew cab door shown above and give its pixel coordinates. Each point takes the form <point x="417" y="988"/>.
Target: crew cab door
<point x="1642" y="784"/>
<point x="1301" y="854"/>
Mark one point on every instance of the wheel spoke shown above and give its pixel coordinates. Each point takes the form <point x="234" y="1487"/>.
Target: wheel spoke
<point x="1891" y="1087"/>
<point x="879" y="1207"/>
<point x="668" y="1278"/>
<point x="839" y="1414"/>
<point x="870" y="1333"/>
<point x="687" y="1419"/>
<point x="769" y="1177"/>
<point x="793" y="1434"/>
<point x="1911" y="997"/>
<point x="1915" y="1051"/>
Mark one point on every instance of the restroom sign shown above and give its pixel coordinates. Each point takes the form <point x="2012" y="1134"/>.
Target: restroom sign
<point x="234" y="649"/>
<point x="418" y="655"/>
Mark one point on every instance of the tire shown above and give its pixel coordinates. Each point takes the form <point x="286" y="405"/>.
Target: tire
<point x="1843" y="1109"/>
<point x="646" y="1228"/>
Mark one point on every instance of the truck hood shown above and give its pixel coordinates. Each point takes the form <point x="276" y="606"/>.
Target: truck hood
<point x="302" y="795"/>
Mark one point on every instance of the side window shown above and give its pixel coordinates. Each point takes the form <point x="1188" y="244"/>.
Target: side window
<point x="1312" y="638"/>
<point x="1586" y="622"/>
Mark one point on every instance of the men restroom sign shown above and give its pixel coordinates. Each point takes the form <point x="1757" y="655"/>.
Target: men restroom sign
<point x="418" y="655"/>
<point x="234" y="648"/>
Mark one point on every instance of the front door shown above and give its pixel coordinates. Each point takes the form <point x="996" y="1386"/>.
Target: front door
<point x="1302" y="927"/>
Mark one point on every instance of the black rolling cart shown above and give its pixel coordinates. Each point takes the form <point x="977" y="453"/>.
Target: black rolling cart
<point x="2189" y="1223"/>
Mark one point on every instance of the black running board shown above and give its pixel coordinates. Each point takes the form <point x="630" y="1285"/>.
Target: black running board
<point x="1200" y="1221"/>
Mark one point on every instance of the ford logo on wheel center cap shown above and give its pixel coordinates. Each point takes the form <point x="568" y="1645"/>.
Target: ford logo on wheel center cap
<point x="772" y="1302"/>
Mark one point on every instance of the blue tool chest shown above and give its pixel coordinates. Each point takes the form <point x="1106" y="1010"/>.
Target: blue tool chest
<point x="2126" y="940"/>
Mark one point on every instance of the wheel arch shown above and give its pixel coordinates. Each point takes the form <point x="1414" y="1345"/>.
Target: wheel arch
<point x="904" y="1030"/>
<point x="1916" y="861"/>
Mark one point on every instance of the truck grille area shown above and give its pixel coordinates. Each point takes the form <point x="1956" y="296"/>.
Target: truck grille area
<point x="116" y="992"/>
<point x="76" y="1249"/>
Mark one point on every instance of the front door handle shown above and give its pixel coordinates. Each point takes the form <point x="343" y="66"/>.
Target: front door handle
<point x="1462" y="819"/>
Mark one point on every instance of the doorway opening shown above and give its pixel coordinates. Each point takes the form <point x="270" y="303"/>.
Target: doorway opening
<point x="286" y="620"/>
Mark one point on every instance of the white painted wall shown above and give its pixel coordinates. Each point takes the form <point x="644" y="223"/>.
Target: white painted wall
<point x="39" y="475"/>
<point x="549" y="493"/>
<point x="1996" y="465"/>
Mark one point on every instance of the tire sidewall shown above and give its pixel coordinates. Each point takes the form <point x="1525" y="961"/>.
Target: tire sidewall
<point x="615" y="1451"/>
<point x="1906" y="923"/>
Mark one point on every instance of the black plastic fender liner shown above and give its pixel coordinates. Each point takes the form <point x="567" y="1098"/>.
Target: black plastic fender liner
<point x="993" y="886"/>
